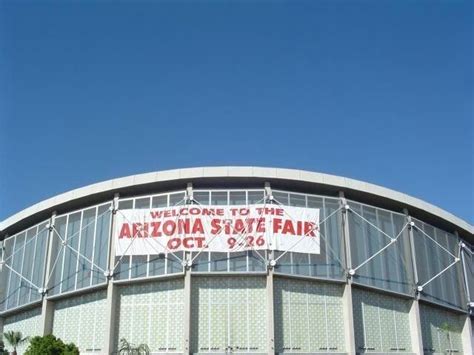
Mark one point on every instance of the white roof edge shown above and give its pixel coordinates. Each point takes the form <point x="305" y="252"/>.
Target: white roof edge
<point x="235" y="171"/>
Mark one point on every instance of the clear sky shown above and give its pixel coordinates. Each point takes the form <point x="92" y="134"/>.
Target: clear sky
<point x="380" y="91"/>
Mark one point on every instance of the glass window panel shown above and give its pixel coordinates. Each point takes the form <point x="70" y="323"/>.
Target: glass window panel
<point x="16" y="262"/>
<point x="281" y="197"/>
<point x="84" y="272"/>
<point x="218" y="261"/>
<point x="237" y="198"/>
<point x="390" y="259"/>
<point x="174" y="263"/>
<point x="101" y="246"/>
<point x="449" y="277"/>
<point x="157" y="265"/>
<point x="201" y="197"/>
<point x="176" y="199"/>
<point x="438" y="263"/>
<point x="201" y="263"/>
<point x="39" y="262"/>
<point x="219" y="197"/>
<point x="5" y="273"/>
<point x="284" y="262"/>
<point x="159" y="201"/>
<point x="301" y="264"/>
<point x="297" y="200"/>
<point x="334" y="250"/>
<point x="70" y="254"/>
<point x="431" y="259"/>
<point x="26" y="271"/>
<point x="139" y="266"/>
<point x="142" y="202"/>
<point x="256" y="262"/>
<point x="238" y="261"/>
<point x="373" y="271"/>
<point x="125" y="204"/>
<point x="123" y="269"/>
<point x="315" y="202"/>
<point x="255" y="197"/>
<point x="366" y="241"/>
<point x="57" y="254"/>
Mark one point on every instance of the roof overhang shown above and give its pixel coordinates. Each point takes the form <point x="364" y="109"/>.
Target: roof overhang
<point x="228" y="176"/>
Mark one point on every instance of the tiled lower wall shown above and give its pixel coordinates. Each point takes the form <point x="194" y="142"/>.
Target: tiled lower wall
<point x="381" y="322"/>
<point x="82" y="321"/>
<point x="152" y="313"/>
<point x="441" y="330"/>
<point x="27" y="322"/>
<point x="228" y="314"/>
<point x="308" y="316"/>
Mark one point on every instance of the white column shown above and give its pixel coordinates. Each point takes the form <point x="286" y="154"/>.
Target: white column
<point x="348" y="319"/>
<point x="47" y="310"/>
<point x="112" y="311"/>
<point x="348" y="311"/>
<point x="415" y="327"/>
<point x="187" y="305"/>
<point x="270" y="313"/>
<point x="464" y="273"/>
<point x="269" y="289"/>
<point x="187" y="264"/>
<point x="467" y="337"/>
<point x="414" y="313"/>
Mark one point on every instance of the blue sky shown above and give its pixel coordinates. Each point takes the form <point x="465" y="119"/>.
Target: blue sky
<point x="380" y="91"/>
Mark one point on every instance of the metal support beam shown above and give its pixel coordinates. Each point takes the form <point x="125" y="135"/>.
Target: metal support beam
<point x="412" y="248"/>
<point x="112" y="292"/>
<point x="268" y="191"/>
<point x="3" y="272"/>
<point x="47" y="308"/>
<point x="464" y="270"/>
<point x="348" y="311"/>
<point x="189" y="192"/>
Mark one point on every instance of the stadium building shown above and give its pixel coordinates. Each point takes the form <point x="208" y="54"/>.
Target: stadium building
<point x="221" y="260"/>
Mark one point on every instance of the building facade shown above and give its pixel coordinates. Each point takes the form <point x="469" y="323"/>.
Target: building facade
<point x="383" y="273"/>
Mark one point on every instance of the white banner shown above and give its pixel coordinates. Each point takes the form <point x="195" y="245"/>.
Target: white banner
<point x="216" y="228"/>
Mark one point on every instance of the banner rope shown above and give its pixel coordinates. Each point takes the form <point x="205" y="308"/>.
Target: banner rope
<point x="306" y="234"/>
<point x="21" y="276"/>
<point x="79" y="254"/>
<point x="441" y="272"/>
<point x="392" y="241"/>
<point x="433" y="240"/>
<point x="369" y="222"/>
<point x="320" y="234"/>
<point x="456" y="258"/>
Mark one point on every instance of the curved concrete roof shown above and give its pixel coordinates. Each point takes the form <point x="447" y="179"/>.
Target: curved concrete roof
<point x="234" y="172"/>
